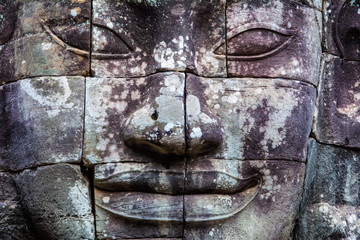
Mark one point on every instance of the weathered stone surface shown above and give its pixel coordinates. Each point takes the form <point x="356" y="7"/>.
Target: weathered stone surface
<point x="338" y="114"/>
<point x="136" y="38"/>
<point x="330" y="205"/>
<point x="326" y="221"/>
<point x="44" y="38"/>
<point x="57" y="202"/>
<point x="273" y="39"/>
<point x="313" y="3"/>
<point x="8" y="11"/>
<point x="12" y="219"/>
<point x="146" y="114"/>
<point x="342" y="28"/>
<point x="41" y="122"/>
<point x="261" y="118"/>
<point x="138" y="215"/>
<point x="270" y="207"/>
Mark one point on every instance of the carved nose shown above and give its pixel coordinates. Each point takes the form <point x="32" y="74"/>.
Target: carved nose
<point x="204" y="132"/>
<point x="158" y="125"/>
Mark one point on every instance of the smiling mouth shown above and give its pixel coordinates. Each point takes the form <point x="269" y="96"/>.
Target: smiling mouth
<point x="165" y="196"/>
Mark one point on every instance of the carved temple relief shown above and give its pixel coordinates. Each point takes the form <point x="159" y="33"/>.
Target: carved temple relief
<point x="177" y="155"/>
<point x="338" y="115"/>
<point x="44" y="38"/>
<point x="136" y="38"/>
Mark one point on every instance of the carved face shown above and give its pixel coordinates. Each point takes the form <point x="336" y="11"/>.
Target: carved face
<point x="196" y="115"/>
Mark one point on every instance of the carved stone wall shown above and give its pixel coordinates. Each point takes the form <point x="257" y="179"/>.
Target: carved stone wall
<point x="183" y="119"/>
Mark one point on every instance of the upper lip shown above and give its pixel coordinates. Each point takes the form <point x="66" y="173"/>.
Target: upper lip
<point x="172" y="182"/>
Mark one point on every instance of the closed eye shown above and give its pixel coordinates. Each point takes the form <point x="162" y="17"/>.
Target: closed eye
<point x="108" y="44"/>
<point x="75" y="38"/>
<point x="257" y="42"/>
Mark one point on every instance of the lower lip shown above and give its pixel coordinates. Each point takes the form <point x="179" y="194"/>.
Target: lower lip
<point x="168" y="208"/>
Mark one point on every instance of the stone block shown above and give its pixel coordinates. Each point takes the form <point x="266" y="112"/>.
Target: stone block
<point x="13" y="224"/>
<point x="57" y="201"/>
<point x="276" y="39"/>
<point x="338" y="109"/>
<point x="153" y="177"/>
<point x="41" y="122"/>
<point x="330" y="205"/>
<point x="44" y="38"/>
<point x="137" y="38"/>
<point x="260" y="118"/>
<point x="138" y="215"/>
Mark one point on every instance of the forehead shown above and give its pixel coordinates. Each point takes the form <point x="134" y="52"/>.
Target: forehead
<point x="138" y="38"/>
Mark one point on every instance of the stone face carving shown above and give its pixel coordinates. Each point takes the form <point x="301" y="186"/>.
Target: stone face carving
<point x="182" y="155"/>
<point x="178" y="119"/>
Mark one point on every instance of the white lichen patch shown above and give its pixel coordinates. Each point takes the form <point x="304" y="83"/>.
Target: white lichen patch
<point x="196" y="133"/>
<point x="79" y="199"/>
<point x="168" y="126"/>
<point x="141" y="118"/>
<point x="99" y="39"/>
<point x="170" y="101"/>
<point x="353" y="107"/>
<point x="102" y="101"/>
<point x="271" y="12"/>
<point x="73" y="12"/>
<point x="173" y="85"/>
<point x="46" y="46"/>
<point x="52" y="103"/>
<point x="172" y="55"/>
<point x="207" y="63"/>
<point x="270" y="188"/>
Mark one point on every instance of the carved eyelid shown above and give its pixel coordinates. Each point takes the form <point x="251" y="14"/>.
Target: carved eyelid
<point x="127" y="40"/>
<point x="264" y="26"/>
<point x="61" y="42"/>
<point x="85" y="53"/>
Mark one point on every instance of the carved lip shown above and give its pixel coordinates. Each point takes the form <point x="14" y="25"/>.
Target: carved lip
<point x="154" y="180"/>
<point x="200" y="203"/>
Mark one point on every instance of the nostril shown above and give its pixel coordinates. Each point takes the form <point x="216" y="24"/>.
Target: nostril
<point x="155" y="115"/>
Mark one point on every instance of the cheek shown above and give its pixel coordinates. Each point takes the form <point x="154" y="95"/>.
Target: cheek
<point x="261" y="118"/>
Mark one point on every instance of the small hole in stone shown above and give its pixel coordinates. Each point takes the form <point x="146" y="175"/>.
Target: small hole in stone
<point x="154" y="116"/>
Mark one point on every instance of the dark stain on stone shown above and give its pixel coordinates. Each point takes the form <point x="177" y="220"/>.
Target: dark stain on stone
<point x="48" y="87"/>
<point x="253" y="148"/>
<point x="8" y="18"/>
<point x="347" y="30"/>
